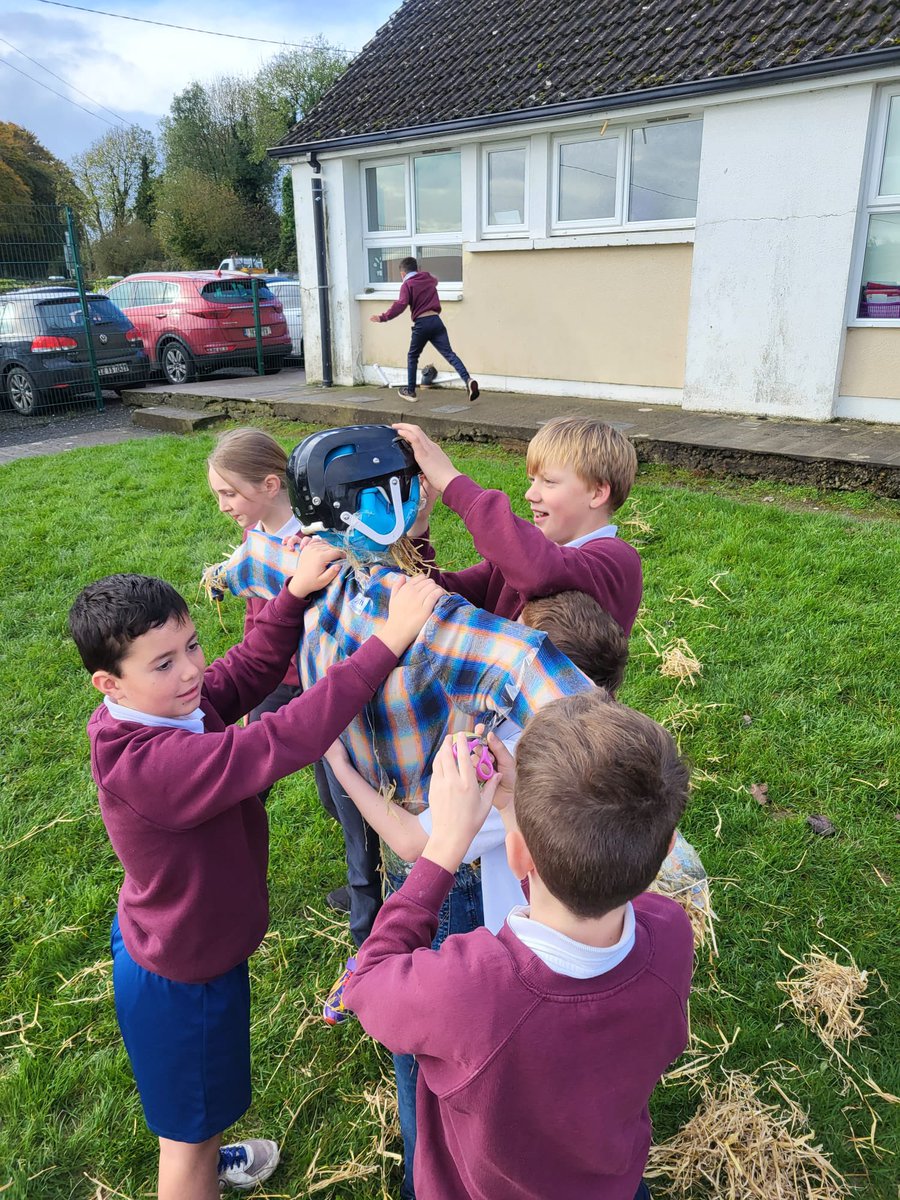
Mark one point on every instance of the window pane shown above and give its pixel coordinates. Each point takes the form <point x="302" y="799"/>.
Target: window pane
<point x="506" y="187"/>
<point x="881" y="268"/>
<point x="587" y="180"/>
<point x="386" y="198"/>
<point x="665" y="166"/>
<point x="890" y="172"/>
<point x="438" y="193"/>
<point x="443" y="261"/>
<point x="384" y="262"/>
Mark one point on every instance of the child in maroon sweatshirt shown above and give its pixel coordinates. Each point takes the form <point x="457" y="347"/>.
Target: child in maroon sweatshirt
<point x="539" y="1047"/>
<point x="179" y="786"/>
<point x="418" y="291"/>
<point x="580" y="472"/>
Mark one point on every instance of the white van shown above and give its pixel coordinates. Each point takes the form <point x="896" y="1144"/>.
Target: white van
<point x="253" y="266"/>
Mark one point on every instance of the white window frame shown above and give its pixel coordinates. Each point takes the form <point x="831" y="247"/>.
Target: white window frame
<point x="625" y="131"/>
<point x="874" y="205"/>
<point x="591" y="223"/>
<point x="409" y="238"/>
<point x="487" y="229"/>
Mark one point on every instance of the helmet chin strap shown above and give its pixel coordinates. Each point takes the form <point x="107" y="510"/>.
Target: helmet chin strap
<point x="354" y="521"/>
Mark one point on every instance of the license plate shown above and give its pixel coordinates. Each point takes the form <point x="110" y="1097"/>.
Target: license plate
<point x="265" y="330"/>
<point x="115" y="369"/>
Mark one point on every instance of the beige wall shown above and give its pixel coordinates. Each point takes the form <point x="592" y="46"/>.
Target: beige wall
<point x="612" y="314"/>
<point x="871" y="363"/>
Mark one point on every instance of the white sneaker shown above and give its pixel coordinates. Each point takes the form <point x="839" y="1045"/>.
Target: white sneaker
<point x="246" y="1164"/>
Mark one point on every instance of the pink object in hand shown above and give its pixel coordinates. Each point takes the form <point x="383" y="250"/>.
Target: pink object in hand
<point x="484" y="767"/>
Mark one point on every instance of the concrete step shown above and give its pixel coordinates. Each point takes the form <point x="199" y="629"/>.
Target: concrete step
<point x="156" y="396"/>
<point x="176" y="420"/>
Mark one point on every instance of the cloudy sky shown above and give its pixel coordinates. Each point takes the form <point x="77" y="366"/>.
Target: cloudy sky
<point x="135" y="69"/>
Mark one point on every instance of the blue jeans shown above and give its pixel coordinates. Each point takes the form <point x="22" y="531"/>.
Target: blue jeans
<point x="425" y="330"/>
<point x="461" y="912"/>
<point x="363" y="853"/>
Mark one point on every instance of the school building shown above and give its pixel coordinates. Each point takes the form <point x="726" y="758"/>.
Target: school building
<point x="691" y="204"/>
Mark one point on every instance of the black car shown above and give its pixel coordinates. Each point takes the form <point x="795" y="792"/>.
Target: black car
<point x="44" y="352"/>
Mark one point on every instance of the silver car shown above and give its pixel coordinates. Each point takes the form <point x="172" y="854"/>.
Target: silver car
<point x="288" y="292"/>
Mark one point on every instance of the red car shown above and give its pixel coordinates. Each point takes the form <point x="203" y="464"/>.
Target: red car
<point x="194" y="322"/>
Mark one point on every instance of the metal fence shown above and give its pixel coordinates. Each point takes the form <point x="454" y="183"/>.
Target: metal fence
<point x="66" y="338"/>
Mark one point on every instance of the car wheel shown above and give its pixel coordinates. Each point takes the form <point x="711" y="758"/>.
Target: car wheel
<point x="177" y="364"/>
<point x="21" y="391"/>
<point x="271" y="370"/>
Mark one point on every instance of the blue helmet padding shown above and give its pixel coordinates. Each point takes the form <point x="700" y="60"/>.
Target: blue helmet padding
<point x="378" y="513"/>
<point x="341" y="452"/>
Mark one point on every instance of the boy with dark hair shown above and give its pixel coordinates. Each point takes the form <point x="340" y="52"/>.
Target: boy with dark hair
<point x="585" y="633"/>
<point x="538" y="1048"/>
<point x="580" y="472"/>
<point x="418" y="291"/>
<point x="178" y="785"/>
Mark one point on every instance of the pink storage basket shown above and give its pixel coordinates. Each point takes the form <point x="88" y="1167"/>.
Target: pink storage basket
<point x="871" y="308"/>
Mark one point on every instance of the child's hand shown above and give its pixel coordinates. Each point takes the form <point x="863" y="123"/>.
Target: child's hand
<point x="433" y="462"/>
<point x="296" y="541"/>
<point x="411" y="604"/>
<point x="457" y="803"/>
<point x="376" y="320"/>
<point x="429" y="498"/>
<point x="318" y="564"/>
<point x="506" y="765"/>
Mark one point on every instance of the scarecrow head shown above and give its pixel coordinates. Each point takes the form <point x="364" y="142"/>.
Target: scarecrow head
<point x="359" y="483"/>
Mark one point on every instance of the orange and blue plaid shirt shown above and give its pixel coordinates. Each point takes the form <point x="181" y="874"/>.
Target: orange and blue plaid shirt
<point x="465" y="664"/>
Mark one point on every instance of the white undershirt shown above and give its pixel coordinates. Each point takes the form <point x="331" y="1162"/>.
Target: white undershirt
<point x="291" y="526"/>
<point x="563" y="954"/>
<point x="193" y="721"/>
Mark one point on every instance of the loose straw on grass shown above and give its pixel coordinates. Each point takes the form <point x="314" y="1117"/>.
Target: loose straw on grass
<point x="679" y="662"/>
<point x="736" y="1146"/>
<point x="825" y="995"/>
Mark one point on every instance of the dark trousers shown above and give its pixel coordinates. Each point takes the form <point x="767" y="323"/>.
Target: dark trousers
<point x="425" y="330"/>
<point x="284" y="693"/>
<point x="363" y="853"/>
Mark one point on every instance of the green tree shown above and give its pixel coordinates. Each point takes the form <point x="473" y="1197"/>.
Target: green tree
<point x="33" y="186"/>
<point x="145" y="200"/>
<point x="290" y="85"/>
<point x="287" y="242"/>
<point x="134" y="246"/>
<point x="210" y="131"/>
<point x="201" y="220"/>
<point x="109" y="174"/>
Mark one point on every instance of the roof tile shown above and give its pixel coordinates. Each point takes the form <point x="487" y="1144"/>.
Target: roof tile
<point x="441" y="60"/>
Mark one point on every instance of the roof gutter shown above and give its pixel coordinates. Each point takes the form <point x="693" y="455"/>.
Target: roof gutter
<point x="717" y="84"/>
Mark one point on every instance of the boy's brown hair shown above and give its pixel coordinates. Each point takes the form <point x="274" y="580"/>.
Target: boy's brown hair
<point x="588" y="636"/>
<point x="599" y="791"/>
<point x="595" y="451"/>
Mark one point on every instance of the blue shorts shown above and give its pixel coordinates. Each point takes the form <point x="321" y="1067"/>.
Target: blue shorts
<point x="189" y="1046"/>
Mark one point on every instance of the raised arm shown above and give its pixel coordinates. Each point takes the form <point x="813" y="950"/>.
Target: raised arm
<point x="401" y="830"/>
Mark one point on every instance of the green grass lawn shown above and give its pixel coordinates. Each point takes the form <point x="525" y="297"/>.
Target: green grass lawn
<point x="789" y="600"/>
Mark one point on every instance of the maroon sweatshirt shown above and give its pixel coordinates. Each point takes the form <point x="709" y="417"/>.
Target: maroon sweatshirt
<point x="520" y="563"/>
<point x="182" y="810"/>
<point x="419" y="292"/>
<point x="531" y="1084"/>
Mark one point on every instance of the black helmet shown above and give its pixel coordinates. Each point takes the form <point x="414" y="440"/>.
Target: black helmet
<point x="361" y="479"/>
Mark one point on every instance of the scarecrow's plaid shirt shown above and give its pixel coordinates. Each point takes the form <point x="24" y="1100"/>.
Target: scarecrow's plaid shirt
<point x="466" y="663"/>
